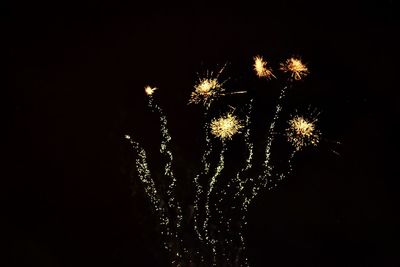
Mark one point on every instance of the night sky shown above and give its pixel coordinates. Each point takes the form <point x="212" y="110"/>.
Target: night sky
<point x="77" y="77"/>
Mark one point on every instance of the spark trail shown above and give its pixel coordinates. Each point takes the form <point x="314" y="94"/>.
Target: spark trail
<point x="173" y="204"/>
<point x="150" y="189"/>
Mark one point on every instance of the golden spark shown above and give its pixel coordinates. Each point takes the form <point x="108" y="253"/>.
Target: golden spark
<point x="261" y="69"/>
<point x="294" y="66"/>
<point x="205" y="90"/>
<point x="226" y="126"/>
<point x="302" y="132"/>
<point x="149" y="90"/>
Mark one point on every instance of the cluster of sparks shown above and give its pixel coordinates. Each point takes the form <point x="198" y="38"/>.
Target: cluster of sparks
<point x="207" y="89"/>
<point x="209" y="219"/>
<point x="302" y="132"/>
<point x="226" y="126"/>
<point x="297" y="69"/>
<point x="261" y="68"/>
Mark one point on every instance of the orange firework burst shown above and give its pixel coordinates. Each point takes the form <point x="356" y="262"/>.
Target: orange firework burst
<point x="302" y="132"/>
<point x="226" y="126"/>
<point x="261" y="69"/>
<point x="295" y="67"/>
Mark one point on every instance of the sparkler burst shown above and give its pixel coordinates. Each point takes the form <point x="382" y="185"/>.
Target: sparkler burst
<point x="302" y="132"/>
<point x="295" y="67"/>
<point x="226" y="126"/>
<point x="207" y="88"/>
<point x="261" y="68"/>
<point x="149" y="90"/>
<point x="205" y="91"/>
<point x="217" y="213"/>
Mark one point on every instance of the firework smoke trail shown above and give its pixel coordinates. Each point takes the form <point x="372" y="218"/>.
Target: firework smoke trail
<point x="150" y="188"/>
<point x="168" y="172"/>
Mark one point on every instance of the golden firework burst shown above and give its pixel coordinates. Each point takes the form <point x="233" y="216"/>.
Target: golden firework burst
<point x="302" y="132"/>
<point x="261" y="69"/>
<point x="149" y="90"/>
<point x="295" y="67"/>
<point x="205" y="90"/>
<point x="226" y="126"/>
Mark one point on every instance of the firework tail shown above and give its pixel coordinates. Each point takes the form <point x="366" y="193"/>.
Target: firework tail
<point x="151" y="190"/>
<point x="173" y="204"/>
<point x="210" y="240"/>
<point x="235" y="185"/>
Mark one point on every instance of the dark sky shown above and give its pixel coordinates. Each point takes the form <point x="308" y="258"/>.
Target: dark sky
<point x="77" y="77"/>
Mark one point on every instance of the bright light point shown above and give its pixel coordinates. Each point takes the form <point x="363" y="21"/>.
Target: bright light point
<point x="149" y="90"/>
<point x="127" y="137"/>
<point x="225" y="127"/>
<point x="261" y="69"/>
<point x="302" y="132"/>
<point x="295" y="67"/>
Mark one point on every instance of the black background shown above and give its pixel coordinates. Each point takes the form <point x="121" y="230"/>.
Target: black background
<point x="77" y="76"/>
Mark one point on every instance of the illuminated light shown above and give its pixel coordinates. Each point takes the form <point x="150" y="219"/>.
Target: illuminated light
<point x="205" y="91"/>
<point x="207" y="88"/>
<point x="225" y="127"/>
<point x="295" y="67"/>
<point x="149" y="90"/>
<point x="302" y="132"/>
<point x="218" y="213"/>
<point x="261" y="69"/>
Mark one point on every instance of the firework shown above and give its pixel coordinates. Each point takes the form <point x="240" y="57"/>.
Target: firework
<point x="218" y="213"/>
<point x="302" y="132"/>
<point x="261" y="68"/>
<point x="205" y="91"/>
<point x="207" y="88"/>
<point x="226" y="126"/>
<point x="149" y="90"/>
<point x="295" y="67"/>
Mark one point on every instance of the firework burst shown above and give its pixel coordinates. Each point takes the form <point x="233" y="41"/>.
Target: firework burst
<point x="218" y="213"/>
<point x="207" y="88"/>
<point x="302" y="132"/>
<point x="226" y="126"/>
<point x="149" y="90"/>
<point x="261" y="68"/>
<point x="205" y="91"/>
<point x="295" y="67"/>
